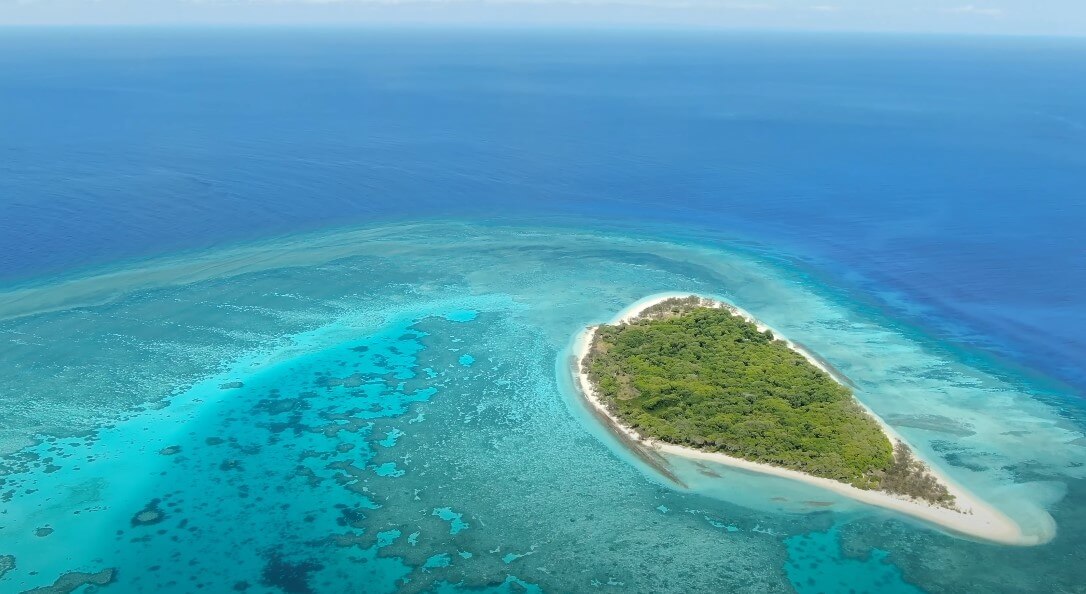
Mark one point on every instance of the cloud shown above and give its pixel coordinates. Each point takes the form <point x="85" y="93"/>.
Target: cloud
<point x="824" y="8"/>
<point x="974" y="9"/>
<point x="749" y="6"/>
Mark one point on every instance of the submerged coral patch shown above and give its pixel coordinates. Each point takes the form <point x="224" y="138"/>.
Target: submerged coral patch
<point x="935" y="423"/>
<point x="291" y="577"/>
<point x="72" y="581"/>
<point x="7" y="563"/>
<point x="150" y="514"/>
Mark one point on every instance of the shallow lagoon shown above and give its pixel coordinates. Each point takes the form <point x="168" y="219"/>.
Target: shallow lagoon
<point x="390" y="409"/>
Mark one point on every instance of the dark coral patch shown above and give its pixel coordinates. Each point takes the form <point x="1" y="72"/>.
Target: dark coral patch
<point x="276" y="406"/>
<point x="351" y="516"/>
<point x="351" y="381"/>
<point x="288" y="576"/>
<point x="150" y="514"/>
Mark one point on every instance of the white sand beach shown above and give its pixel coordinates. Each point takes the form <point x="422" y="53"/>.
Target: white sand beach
<point x="972" y="517"/>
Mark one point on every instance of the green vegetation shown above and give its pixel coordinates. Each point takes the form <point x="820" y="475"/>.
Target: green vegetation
<point x="703" y="377"/>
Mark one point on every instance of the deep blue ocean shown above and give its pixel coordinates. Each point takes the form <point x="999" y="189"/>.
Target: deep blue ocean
<point x="182" y="209"/>
<point x="943" y="176"/>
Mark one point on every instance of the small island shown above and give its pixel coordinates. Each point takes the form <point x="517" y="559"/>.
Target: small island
<point x="698" y="378"/>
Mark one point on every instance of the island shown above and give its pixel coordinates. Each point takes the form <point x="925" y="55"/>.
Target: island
<point x="698" y="378"/>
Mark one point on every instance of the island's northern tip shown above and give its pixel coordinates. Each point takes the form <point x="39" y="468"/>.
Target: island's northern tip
<point x="677" y="374"/>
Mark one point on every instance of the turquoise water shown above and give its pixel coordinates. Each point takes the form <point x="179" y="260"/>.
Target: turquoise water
<point x="391" y="409"/>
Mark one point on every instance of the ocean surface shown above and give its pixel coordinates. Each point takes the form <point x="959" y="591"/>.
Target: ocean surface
<point x="288" y="310"/>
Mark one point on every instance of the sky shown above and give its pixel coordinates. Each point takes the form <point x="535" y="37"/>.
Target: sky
<point x="1000" y="17"/>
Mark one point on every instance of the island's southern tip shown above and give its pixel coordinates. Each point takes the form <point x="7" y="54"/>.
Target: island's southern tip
<point x="699" y="378"/>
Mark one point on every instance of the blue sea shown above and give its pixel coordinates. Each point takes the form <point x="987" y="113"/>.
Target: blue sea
<point x="292" y="310"/>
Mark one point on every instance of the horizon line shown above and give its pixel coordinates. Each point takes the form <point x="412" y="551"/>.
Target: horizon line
<point x="543" y="27"/>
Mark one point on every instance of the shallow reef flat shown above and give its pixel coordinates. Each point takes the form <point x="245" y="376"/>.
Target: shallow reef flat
<point x="390" y="409"/>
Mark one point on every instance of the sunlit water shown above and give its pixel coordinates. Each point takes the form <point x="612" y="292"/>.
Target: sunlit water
<point x="390" y="409"/>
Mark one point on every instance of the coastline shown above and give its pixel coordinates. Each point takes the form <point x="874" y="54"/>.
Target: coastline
<point x="973" y="516"/>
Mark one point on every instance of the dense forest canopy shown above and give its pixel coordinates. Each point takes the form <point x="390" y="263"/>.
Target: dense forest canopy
<point x="687" y="373"/>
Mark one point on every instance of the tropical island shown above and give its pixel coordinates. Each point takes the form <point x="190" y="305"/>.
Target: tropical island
<point x="701" y="379"/>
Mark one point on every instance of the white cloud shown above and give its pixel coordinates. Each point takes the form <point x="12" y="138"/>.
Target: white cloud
<point x="974" y="9"/>
<point x="824" y="8"/>
<point x="749" y="6"/>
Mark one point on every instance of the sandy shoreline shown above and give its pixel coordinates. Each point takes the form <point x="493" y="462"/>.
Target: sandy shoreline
<point x="974" y="517"/>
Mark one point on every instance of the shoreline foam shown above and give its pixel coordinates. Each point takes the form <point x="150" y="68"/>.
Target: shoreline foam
<point x="973" y="516"/>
